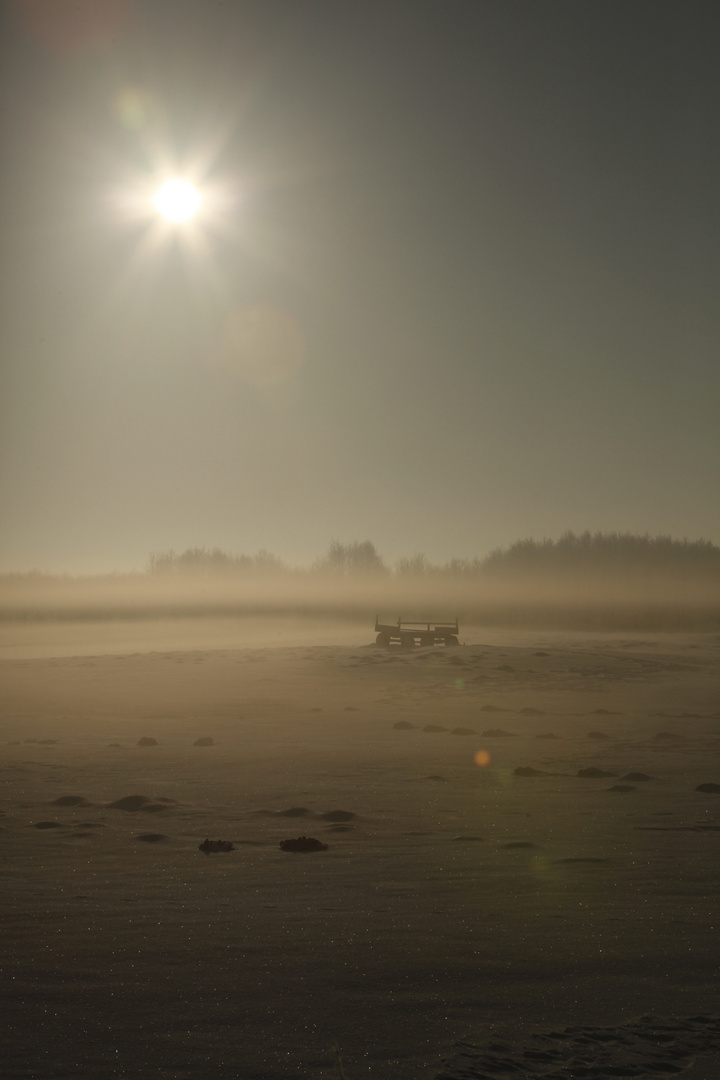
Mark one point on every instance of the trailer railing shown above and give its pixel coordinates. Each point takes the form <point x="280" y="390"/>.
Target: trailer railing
<point x="411" y="632"/>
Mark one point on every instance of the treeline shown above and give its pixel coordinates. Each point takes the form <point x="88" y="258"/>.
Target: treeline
<point x="604" y="553"/>
<point x="202" y="561"/>
<point x="594" y="581"/>
<point x="588" y="555"/>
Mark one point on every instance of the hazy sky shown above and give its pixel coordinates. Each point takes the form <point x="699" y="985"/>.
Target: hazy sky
<point x="455" y="280"/>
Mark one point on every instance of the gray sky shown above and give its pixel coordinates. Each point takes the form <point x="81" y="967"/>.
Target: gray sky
<point x="454" y="282"/>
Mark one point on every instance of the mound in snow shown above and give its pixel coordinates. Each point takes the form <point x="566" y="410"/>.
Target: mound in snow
<point x="643" y="1048"/>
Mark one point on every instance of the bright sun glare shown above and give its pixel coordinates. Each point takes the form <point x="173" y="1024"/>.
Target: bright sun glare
<point x="177" y="200"/>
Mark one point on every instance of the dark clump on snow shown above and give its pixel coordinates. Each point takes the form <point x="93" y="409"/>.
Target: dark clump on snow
<point x="208" y="847"/>
<point x="303" y="843"/>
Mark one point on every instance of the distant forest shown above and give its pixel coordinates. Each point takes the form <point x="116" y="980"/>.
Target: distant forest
<point x="589" y="555"/>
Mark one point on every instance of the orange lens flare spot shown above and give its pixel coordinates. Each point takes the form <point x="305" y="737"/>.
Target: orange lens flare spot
<point x="73" y="26"/>
<point x="482" y="758"/>
<point x="264" y="345"/>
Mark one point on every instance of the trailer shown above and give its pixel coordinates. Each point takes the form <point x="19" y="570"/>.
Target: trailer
<point x="411" y="632"/>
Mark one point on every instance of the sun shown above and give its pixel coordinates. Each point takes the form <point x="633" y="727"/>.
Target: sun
<point x="177" y="200"/>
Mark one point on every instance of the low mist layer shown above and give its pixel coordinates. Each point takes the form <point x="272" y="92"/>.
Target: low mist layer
<point x="587" y="581"/>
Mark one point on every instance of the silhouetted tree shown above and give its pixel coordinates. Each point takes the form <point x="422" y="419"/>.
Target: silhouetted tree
<point x="360" y="557"/>
<point x="416" y="566"/>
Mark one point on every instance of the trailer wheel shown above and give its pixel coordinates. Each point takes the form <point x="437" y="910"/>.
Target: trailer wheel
<point x="407" y="641"/>
<point x="452" y="639"/>
<point x="383" y="640"/>
<point x="427" y="639"/>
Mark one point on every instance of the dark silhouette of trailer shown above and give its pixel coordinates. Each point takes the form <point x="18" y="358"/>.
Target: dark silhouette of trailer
<point x="411" y="632"/>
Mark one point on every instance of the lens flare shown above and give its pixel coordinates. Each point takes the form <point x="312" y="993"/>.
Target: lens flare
<point x="177" y="200"/>
<point x="482" y="758"/>
<point x="263" y="344"/>
<point x="75" y="26"/>
<point x="135" y="109"/>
